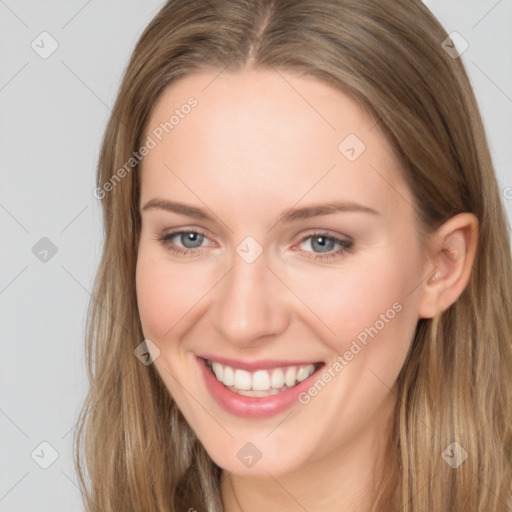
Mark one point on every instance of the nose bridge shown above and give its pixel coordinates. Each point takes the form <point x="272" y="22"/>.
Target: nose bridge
<point x="248" y="304"/>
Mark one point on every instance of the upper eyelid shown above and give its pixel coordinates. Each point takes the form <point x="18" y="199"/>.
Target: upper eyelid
<point x="180" y="231"/>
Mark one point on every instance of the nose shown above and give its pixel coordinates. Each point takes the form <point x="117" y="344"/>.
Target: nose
<point x="250" y="303"/>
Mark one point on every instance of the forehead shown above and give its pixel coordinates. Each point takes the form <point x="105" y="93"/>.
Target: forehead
<point x="268" y="135"/>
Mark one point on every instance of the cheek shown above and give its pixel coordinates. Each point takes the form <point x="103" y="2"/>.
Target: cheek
<point x="364" y="301"/>
<point x="164" y="295"/>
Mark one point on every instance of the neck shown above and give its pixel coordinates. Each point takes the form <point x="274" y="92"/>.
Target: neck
<point x="346" y="479"/>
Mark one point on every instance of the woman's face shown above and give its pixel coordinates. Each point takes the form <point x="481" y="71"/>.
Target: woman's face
<point x="277" y="236"/>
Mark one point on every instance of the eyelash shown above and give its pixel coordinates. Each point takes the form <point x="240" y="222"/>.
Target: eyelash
<point x="345" y="245"/>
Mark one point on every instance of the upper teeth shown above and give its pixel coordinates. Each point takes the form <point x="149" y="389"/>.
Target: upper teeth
<point x="260" y="380"/>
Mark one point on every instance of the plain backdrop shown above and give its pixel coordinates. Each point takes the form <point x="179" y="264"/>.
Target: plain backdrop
<point x="54" y="109"/>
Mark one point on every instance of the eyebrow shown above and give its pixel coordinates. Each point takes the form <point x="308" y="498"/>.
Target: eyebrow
<point x="289" y="215"/>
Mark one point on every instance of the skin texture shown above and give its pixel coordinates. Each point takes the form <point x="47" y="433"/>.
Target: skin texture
<point x="257" y="144"/>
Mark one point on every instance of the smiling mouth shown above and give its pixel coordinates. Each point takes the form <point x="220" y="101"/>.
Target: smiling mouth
<point x="263" y="382"/>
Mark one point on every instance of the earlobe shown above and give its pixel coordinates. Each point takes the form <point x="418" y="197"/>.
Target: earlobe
<point x="453" y="250"/>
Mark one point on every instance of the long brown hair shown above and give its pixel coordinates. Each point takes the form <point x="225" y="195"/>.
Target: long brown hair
<point x="133" y="449"/>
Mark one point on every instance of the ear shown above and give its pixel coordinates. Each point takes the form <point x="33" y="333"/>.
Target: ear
<point x="452" y="252"/>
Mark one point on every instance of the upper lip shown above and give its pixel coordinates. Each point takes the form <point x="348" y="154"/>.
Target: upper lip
<point x="255" y="365"/>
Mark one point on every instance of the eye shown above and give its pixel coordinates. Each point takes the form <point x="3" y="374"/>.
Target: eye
<point x="191" y="242"/>
<point x="328" y="246"/>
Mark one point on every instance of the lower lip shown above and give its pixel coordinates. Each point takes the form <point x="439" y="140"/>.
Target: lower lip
<point x="248" y="406"/>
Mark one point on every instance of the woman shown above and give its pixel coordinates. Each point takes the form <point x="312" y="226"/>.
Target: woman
<point x="304" y="299"/>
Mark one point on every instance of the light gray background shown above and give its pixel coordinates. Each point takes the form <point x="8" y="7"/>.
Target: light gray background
<point x="53" y="114"/>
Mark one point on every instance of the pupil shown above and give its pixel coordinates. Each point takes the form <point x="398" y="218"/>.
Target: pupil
<point x="191" y="238"/>
<point x="324" y="244"/>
